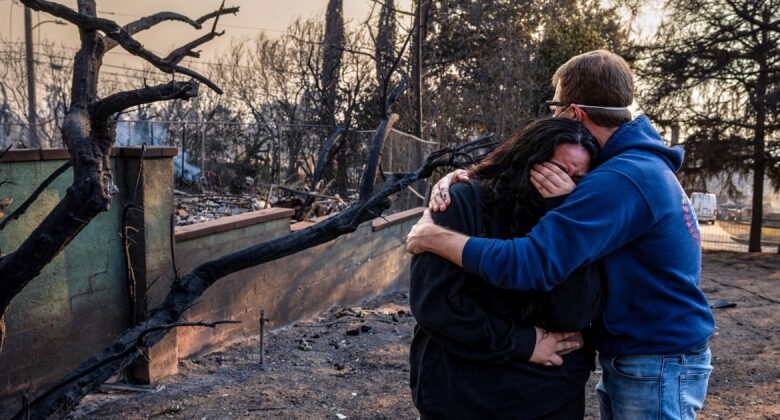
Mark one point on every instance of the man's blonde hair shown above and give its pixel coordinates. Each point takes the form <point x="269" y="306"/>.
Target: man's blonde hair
<point x="597" y="78"/>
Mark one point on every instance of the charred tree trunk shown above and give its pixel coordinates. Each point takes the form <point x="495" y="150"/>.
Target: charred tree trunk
<point x="759" y="157"/>
<point x="419" y="33"/>
<point x="332" y="51"/>
<point x="89" y="131"/>
<point x="384" y="51"/>
<point x="333" y="43"/>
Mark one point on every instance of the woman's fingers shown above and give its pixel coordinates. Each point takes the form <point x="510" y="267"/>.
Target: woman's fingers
<point x="554" y="179"/>
<point x="547" y="186"/>
<point x="440" y="193"/>
<point x="541" y="188"/>
<point x="552" y="173"/>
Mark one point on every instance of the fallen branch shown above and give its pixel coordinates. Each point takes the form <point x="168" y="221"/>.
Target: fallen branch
<point x="138" y="346"/>
<point x="34" y="196"/>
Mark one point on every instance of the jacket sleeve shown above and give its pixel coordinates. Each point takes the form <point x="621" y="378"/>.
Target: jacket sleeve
<point x="449" y="315"/>
<point x="592" y="222"/>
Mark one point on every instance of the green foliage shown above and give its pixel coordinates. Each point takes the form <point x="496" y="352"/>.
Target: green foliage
<point x="491" y="62"/>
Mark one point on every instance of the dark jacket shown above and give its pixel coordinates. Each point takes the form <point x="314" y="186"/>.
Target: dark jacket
<point x="469" y="356"/>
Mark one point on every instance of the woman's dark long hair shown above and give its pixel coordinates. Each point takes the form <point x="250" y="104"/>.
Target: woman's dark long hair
<point x="505" y="172"/>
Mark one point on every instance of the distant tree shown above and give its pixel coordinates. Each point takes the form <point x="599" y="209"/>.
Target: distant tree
<point x="384" y="50"/>
<point x="488" y="64"/>
<point x="333" y="44"/>
<point x="52" y="78"/>
<point x="713" y="72"/>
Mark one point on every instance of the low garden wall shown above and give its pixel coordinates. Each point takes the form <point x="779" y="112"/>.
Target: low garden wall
<point x="81" y="300"/>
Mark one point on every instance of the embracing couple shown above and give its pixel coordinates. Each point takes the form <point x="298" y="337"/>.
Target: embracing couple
<point x="520" y="277"/>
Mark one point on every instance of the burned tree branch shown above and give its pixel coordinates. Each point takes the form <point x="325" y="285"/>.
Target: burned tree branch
<point x="136" y="347"/>
<point x="375" y="155"/>
<point x="34" y="196"/>
<point x="91" y="374"/>
<point x="149" y="21"/>
<point x="328" y="150"/>
<point x="229" y="11"/>
<point x="118" y="102"/>
<point x="186" y="50"/>
<point x="378" y="142"/>
<point x="117" y="33"/>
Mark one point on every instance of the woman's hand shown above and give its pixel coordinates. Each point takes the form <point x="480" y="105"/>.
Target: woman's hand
<point x="440" y="194"/>
<point x="550" y="180"/>
<point x="549" y="346"/>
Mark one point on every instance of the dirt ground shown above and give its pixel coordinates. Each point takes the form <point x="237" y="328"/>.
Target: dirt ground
<point x="352" y="362"/>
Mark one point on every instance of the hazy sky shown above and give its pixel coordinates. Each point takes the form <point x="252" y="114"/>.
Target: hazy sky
<point x="273" y="16"/>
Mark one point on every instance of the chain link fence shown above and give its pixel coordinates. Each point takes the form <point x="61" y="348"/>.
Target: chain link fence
<point x="260" y="167"/>
<point x="725" y="216"/>
<point x="256" y="165"/>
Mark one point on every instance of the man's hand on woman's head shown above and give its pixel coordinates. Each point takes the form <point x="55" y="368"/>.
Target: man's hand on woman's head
<point x="549" y="347"/>
<point x="550" y="180"/>
<point x="440" y="194"/>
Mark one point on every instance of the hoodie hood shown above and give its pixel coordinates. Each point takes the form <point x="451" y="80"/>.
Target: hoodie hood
<point x="639" y="134"/>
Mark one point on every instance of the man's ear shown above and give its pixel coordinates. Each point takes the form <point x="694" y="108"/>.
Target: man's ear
<point x="579" y="114"/>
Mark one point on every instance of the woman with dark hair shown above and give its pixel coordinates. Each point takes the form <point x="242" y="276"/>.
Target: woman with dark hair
<point x="483" y="352"/>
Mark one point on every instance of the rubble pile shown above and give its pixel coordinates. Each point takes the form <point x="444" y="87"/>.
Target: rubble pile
<point x="202" y="207"/>
<point x="197" y="207"/>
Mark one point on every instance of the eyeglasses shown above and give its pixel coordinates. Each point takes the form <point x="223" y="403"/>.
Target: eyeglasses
<point x="550" y="106"/>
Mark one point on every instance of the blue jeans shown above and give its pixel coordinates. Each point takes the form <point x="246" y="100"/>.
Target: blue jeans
<point x="654" y="387"/>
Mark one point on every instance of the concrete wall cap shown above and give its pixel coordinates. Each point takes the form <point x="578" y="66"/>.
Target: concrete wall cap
<point x="197" y="230"/>
<point x="396" y="218"/>
<point x="28" y="155"/>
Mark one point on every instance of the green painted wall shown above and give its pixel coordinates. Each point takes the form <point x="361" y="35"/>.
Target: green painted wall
<point x="79" y="302"/>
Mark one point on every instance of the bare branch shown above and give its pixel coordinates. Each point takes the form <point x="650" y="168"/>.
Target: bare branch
<point x="118" y="102"/>
<point x="228" y="11"/>
<point x="186" y="50"/>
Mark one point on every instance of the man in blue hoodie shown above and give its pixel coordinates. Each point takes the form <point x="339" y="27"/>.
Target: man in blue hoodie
<point x="632" y="215"/>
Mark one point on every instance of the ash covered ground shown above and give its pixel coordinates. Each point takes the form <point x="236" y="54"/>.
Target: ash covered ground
<point x="352" y="362"/>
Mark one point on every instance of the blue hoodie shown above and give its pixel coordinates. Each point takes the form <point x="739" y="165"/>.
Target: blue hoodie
<point x="632" y="215"/>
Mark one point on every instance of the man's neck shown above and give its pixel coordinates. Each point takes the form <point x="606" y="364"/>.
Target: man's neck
<point x="602" y="134"/>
